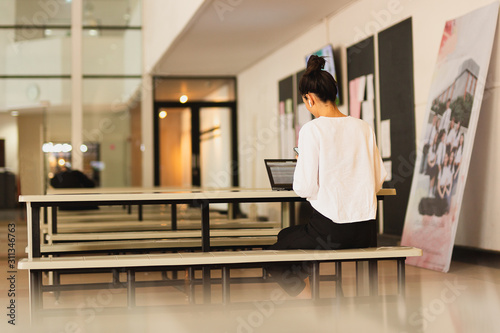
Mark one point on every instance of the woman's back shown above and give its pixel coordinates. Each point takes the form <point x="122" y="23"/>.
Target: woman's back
<point x="339" y="168"/>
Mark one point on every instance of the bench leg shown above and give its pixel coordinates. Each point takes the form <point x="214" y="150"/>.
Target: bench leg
<point x="338" y="284"/>
<point x="362" y="281"/>
<point x="190" y="291"/>
<point x="373" y="271"/>
<point x="131" y="288"/>
<point x="401" y="277"/>
<point x="116" y="277"/>
<point x="36" y="296"/>
<point x="226" y="285"/>
<point x="57" y="282"/>
<point x="207" y="292"/>
<point x="315" y="277"/>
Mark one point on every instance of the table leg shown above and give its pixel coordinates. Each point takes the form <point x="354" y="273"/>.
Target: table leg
<point x="54" y="219"/>
<point x="173" y="216"/>
<point x="287" y="214"/>
<point x="205" y="227"/>
<point x="205" y="247"/>
<point x="35" y="232"/>
<point x="140" y="212"/>
<point x="45" y="220"/>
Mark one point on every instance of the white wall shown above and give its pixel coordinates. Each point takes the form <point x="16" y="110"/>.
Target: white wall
<point x="164" y="20"/>
<point x="258" y="98"/>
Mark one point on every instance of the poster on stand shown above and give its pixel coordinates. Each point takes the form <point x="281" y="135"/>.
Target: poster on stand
<point x="445" y="146"/>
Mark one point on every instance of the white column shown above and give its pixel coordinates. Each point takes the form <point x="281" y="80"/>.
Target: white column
<point x="147" y="131"/>
<point x="76" y="83"/>
<point x="147" y="124"/>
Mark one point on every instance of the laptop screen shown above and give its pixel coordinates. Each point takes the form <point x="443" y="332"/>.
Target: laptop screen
<point x="280" y="173"/>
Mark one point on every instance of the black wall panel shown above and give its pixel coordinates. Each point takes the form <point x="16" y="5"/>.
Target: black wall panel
<point x="360" y="59"/>
<point x="395" y="53"/>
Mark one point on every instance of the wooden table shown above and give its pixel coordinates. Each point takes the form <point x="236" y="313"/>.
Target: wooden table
<point x="199" y="197"/>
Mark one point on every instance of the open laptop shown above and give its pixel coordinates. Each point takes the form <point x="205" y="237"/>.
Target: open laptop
<point x="280" y="172"/>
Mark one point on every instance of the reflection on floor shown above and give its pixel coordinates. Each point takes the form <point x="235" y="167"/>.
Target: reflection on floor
<point x="467" y="299"/>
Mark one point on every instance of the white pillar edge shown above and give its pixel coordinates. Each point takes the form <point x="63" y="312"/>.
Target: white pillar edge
<point x="76" y="84"/>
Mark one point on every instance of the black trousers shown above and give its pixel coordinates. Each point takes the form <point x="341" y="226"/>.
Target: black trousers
<point x="319" y="233"/>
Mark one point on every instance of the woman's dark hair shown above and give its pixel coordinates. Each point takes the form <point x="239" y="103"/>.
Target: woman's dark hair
<point x="316" y="80"/>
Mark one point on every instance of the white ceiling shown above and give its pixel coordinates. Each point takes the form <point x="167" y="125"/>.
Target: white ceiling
<point x="228" y="36"/>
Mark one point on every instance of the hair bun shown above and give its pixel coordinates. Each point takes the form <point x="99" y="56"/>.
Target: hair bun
<point x="315" y="63"/>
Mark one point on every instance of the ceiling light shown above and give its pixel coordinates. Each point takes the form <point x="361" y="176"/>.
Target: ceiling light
<point x="183" y="99"/>
<point x="162" y="114"/>
<point x="47" y="147"/>
<point x="66" y="148"/>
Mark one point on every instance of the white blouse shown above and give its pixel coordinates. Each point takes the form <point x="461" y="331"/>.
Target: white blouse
<point x="339" y="169"/>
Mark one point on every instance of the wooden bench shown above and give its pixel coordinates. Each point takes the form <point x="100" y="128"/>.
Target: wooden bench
<point x="223" y="260"/>
<point x="112" y="226"/>
<point x="141" y="245"/>
<point x="115" y="242"/>
<point x="170" y="234"/>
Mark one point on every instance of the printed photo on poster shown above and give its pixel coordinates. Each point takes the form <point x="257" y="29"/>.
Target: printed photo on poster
<point x="445" y="148"/>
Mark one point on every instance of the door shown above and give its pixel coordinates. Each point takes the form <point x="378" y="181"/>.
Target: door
<point x="196" y="146"/>
<point x="215" y="147"/>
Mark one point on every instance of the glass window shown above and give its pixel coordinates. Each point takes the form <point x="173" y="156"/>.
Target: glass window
<point x="35" y="65"/>
<point x="29" y="51"/>
<point x="112" y="52"/>
<point x="121" y="13"/>
<point x="107" y="107"/>
<point x="53" y="92"/>
<point x="37" y="12"/>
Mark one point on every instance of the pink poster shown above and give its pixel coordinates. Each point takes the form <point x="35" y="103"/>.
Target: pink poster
<point x="445" y="146"/>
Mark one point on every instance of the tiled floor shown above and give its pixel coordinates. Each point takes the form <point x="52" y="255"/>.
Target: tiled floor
<point x="466" y="299"/>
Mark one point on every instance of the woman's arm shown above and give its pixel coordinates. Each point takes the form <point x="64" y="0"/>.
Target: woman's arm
<point x="380" y="172"/>
<point x="305" y="178"/>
